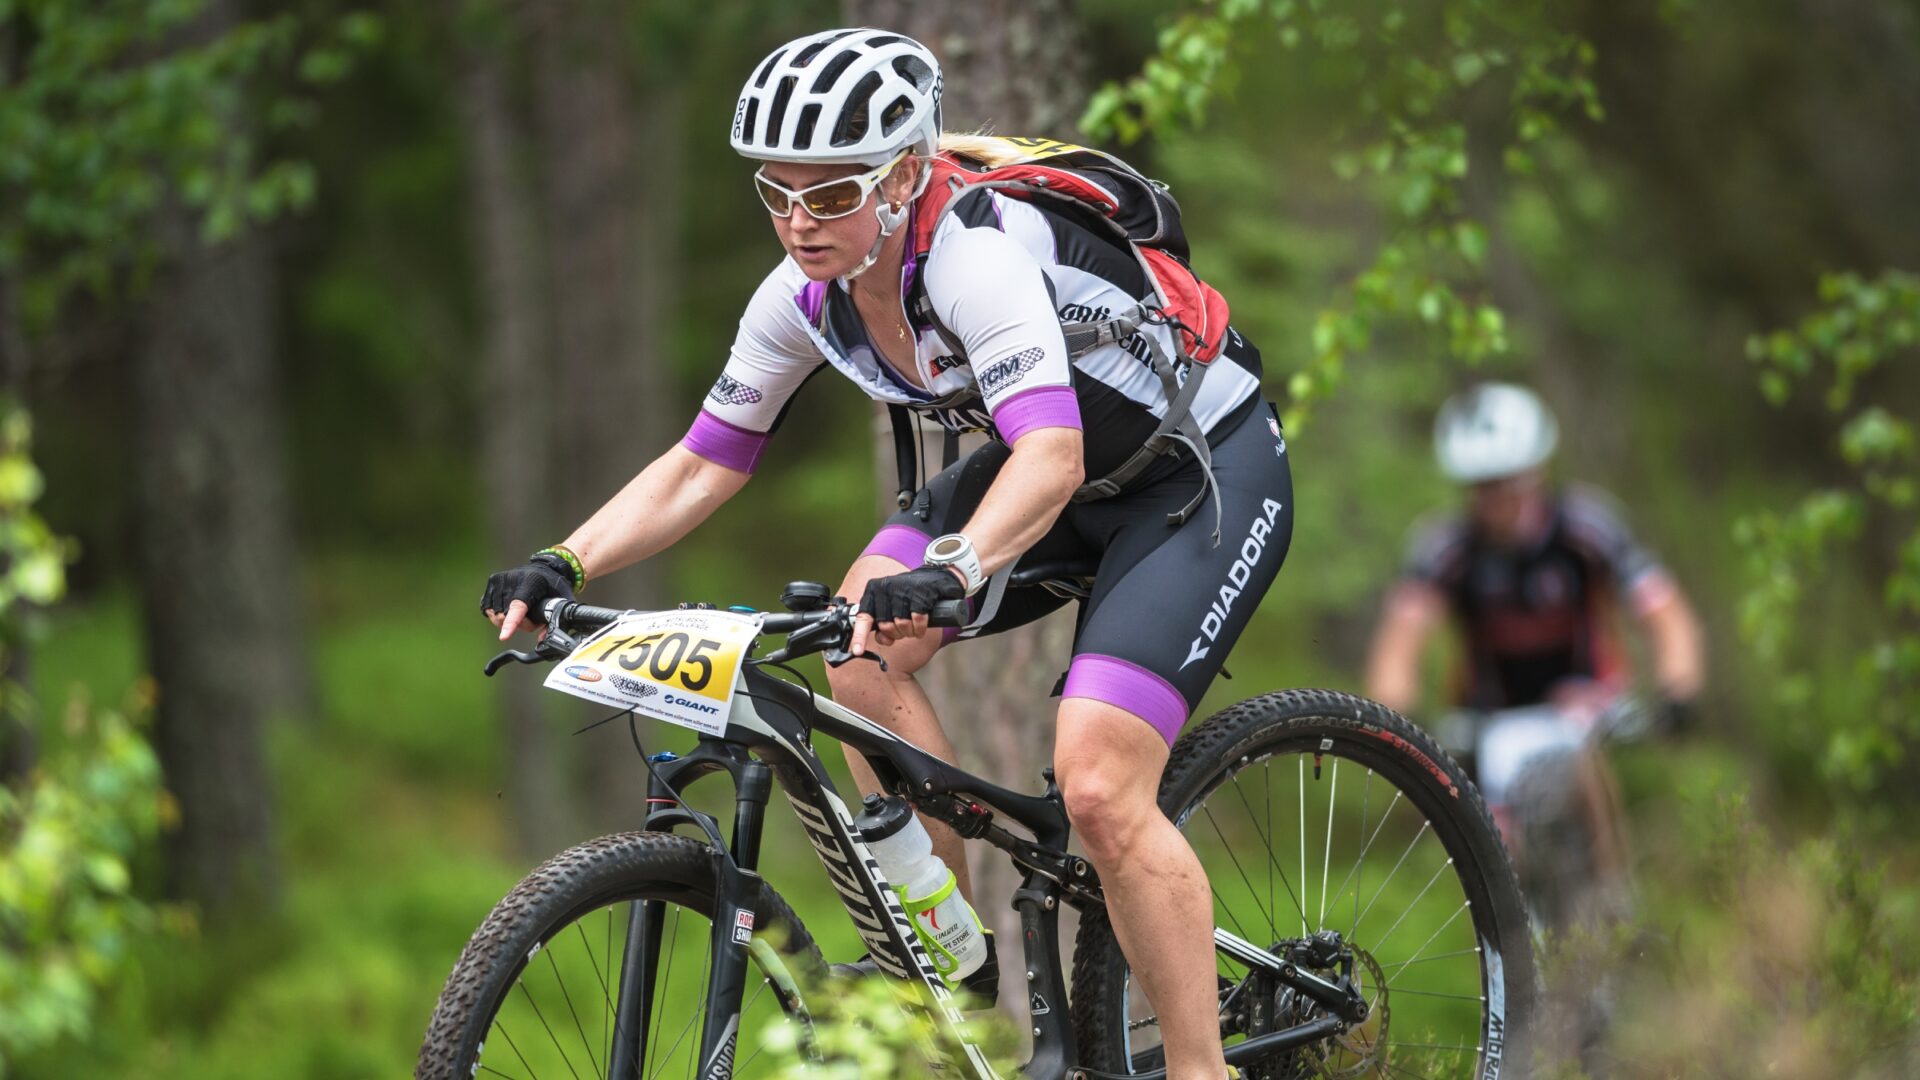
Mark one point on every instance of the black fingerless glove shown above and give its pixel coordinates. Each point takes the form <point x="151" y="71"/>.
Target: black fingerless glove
<point x="540" y="579"/>
<point x="903" y="596"/>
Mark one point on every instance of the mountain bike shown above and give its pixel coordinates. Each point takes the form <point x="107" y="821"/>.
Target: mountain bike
<point x="1533" y="765"/>
<point x="654" y="953"/>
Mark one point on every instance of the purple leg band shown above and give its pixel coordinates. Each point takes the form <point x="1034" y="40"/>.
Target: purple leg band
<point x="1130" y="687"/>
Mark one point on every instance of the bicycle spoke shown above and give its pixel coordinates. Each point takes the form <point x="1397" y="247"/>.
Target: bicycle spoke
<point x="1421" y="895"/>
<point x="742" y="1067"/>
<point x="543" y="1023"/>
<point x="1430" y="939"/>
<point x="515" y="1047"/>
<point x="1398" y="990"/>
<point x="1326" y="847"/>
<point x="484" y="1067"/>
<point x="1273" y="858"/>
<point x="1435" y="1046"/>
<point x="1266" y="782"/>
<point x="1243" y="873"/>
<point x="606" y="1022"/>
<point x="577" y="1026"/>
<point x="1424" y="826"/>
<point x="1429" y="959"/>
<point x="1364" y="848"/>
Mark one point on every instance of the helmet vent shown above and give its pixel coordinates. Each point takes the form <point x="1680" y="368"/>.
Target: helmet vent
<point x="852" y="124"/>
<point x="894" y="115"/>
<point x="766" y="69"/>
<point x="803" y="130"/>
<point x="886" y="39"/>
<point x="778" y="114"/>
<point x="805" y="56"/>
<point x="746" y="127"/>
<point x="832" y="70"/>
<point x="914" y="71"/>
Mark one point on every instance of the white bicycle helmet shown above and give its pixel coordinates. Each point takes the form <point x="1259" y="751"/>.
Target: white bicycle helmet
<point x="842" y="97"/>
<point x="1493" y="430"/>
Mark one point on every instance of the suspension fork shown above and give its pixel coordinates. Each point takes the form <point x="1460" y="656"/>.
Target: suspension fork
<point x="734" y="917"/>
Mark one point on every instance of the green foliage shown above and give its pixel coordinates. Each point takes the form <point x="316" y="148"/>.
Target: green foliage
<point x="1787" y="959"/>
<point x="1863" y="325"/>
<point x="113" y="107"/>
<point x="69" y="831"/>
<point x="1414" y="74"/>
<point x="879" y="1027"/>
<point x="67" y="838"/>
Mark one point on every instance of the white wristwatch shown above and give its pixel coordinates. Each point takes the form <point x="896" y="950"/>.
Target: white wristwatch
<point x="957" y="551"/>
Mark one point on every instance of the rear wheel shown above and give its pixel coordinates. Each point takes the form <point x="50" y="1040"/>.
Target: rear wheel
<point x="1318" y="814"/>
<point x="535" y="994"/>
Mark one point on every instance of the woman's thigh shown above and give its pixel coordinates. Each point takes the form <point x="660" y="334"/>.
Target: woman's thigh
<point x="1169" y="603"/>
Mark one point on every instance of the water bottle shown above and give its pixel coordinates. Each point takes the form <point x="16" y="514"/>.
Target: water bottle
<point x="941" y="917"/>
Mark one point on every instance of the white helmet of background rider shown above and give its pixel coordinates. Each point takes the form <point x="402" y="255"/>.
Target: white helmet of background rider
<point x="843" y="97"/>
<point x="1493" y="430"/>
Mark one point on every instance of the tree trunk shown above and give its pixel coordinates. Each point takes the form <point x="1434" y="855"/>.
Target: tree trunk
<point x="515" y="433"/>
<point x="216" y="555"/>
<point x="1011" y="67"/>
<point x="611" y="244"/>
<point x="212" y="556"/>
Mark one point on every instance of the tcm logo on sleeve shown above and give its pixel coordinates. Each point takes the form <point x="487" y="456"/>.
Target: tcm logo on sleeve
<point x="1005" y="373"/>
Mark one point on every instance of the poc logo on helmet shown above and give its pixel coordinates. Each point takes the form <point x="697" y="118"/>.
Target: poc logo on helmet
<point x="739" y="117"/>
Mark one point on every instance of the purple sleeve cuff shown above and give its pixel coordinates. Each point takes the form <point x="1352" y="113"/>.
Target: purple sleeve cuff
<point x="1130" y="687"/>
<point x="1040" y="407"/>
<point x="903" y="544"/>
<point x="724" y="444"/>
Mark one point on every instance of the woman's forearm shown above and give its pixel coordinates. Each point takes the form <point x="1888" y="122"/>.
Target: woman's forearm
<point x="1034" y="485"/>
<point x="656" y="508"/>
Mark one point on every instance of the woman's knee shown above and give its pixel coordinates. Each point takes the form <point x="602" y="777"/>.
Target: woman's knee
<point x="1108" y="764"/>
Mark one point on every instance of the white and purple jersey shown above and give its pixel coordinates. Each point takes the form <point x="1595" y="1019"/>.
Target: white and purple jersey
<point x="1001" y="275"/>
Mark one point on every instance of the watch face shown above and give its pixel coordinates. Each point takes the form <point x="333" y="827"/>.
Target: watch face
<point x="946" y="547"/>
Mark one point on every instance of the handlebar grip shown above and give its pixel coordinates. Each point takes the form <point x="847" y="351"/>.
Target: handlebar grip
<point x="574" y="616"/>
<point x="949" y="613"/>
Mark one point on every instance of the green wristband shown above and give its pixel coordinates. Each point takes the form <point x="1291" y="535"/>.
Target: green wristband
<point x="573" y="564"/>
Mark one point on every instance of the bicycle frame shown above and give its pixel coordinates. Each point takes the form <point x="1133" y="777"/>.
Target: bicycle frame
<point x="769" y="736"/>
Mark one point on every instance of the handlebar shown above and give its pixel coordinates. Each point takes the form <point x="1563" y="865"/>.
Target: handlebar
<point x="567" y="619"/>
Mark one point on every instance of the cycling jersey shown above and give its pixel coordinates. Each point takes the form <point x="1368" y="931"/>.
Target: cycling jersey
<point x="1001" y="274"/>
<point x="1539" y="614"/>
<point x="1167" y="603"/>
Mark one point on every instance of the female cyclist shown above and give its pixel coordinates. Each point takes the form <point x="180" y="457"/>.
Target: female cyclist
<point x="968" y="333"/>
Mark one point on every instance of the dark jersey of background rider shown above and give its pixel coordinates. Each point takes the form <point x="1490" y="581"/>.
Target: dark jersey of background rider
<point x="1536" y="615"/>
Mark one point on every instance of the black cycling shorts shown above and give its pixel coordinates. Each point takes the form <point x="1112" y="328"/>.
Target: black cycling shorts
<point x="1167" y="604"/>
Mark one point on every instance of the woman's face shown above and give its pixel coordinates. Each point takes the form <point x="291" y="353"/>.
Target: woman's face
<point x="828" y="249"/>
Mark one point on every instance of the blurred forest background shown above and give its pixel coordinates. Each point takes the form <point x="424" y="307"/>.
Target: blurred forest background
<point x="312" y="314"/>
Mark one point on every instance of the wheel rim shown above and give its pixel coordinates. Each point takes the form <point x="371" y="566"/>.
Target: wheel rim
<point x="1305" y="836"/>
<point x="556" y="1020"/>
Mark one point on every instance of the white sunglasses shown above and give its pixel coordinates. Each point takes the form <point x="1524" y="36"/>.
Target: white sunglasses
<point x="833" y="199"/>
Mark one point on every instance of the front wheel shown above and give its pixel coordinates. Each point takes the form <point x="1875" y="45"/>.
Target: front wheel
<point x="1317" y="815"/>
<point x="537" y="991"/>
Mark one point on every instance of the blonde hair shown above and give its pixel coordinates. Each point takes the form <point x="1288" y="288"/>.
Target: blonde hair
<point x="981" y="147"/>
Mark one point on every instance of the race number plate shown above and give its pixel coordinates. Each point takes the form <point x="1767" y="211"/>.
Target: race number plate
<point x="677" y="666"/>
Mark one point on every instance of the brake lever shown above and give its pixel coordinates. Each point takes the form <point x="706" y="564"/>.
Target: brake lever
<point x="836" y="657"/>
<point x="517" y="656"/>
<point x="555" y="644"/>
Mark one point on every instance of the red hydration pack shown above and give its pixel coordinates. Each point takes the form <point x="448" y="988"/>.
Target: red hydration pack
<point x="1108" y="195"/>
